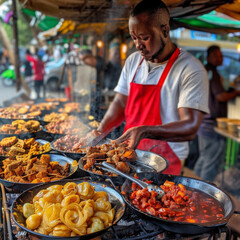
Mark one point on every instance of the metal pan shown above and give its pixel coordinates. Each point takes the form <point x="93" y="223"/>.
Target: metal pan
<point x="41" y="141"/>
<point x="115" y="199"/>
<point x="10" y="120"/>
<point x="74" y="155"/>
<point x="17" y="187"/>
<point x="146" y="162"/>
<point x="183" y="227"/>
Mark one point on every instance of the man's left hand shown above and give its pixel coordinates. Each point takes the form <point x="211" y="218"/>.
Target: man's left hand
<point x="132" y="136"/>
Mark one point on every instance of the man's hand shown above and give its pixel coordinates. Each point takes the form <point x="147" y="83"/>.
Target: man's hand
<point x="132" y="136"/>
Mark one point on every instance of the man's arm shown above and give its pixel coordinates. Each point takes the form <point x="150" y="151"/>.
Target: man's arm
<point x="115" y="113"/>
<point x="226" y="96"/>
<point x="183" y="130"/>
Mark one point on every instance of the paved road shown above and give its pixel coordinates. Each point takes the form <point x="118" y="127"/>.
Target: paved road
<point x="7" y="93"/>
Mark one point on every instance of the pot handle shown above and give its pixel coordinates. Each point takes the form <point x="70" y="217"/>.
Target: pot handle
<point x="236" y="212"/>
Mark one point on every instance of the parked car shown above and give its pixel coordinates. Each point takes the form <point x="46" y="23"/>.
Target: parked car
<point x="53" y="72"/>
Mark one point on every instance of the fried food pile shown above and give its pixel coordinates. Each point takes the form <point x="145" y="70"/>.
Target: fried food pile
<point x="13" y="146"/>
<point x="34" y="170"/>
<point x="43" y="106"/>
<point x="69" y="210"/>
<point x="20" y="127"/>
<point x="74" y="143"/>
<point x="71" y="107"/>
<point x="18" y="112"/>
<point x="67" y="127"/>
<point x="118" y="155"/>
<point x="53" y="117"/>
<point x="56" y="100"/>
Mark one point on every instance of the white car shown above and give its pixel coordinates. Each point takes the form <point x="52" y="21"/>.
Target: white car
<point x="53" y="73"/>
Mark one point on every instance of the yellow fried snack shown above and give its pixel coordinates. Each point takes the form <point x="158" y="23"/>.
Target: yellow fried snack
<point x="69" y="210"/>
<point x="33" y="221"/>
<point x="28" y="210"/>
<point x="69" y="189"/>
<point x="85" y="190"/>
<point x="51" y="215"/>
<point x="61" y="230"/>
<point x="100" y="194"/>
<point x="9" y="141"/>
<point x="70" y="199"/>
<point x="96" y="225"/>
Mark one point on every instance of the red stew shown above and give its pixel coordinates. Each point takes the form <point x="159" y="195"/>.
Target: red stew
<point x="177" y="204"/>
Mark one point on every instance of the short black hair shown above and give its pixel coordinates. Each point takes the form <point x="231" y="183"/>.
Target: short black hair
<point x="212" y="49"/>
<point x="149" y="6"/>
<point x="28" y="52"/>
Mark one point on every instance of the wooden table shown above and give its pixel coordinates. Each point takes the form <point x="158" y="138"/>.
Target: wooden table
<point x="226" y="134"/>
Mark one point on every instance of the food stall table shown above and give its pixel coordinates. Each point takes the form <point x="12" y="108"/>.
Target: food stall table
<point x="232" y="148"/>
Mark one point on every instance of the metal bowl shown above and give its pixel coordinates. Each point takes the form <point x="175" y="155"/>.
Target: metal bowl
<point x="20" y="187"/>
<point x="115" y="198"/>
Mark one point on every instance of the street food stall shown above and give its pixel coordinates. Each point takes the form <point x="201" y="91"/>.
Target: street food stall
<point x="56" y="184"/>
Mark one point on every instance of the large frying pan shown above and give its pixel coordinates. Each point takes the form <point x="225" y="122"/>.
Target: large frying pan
<point x="115" y="199"/>
<point x="183" y="227"/>
<point x="146" y="162"/>
<point x="17" y="187"/>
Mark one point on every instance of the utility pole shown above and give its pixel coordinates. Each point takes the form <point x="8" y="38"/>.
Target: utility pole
<point x="15" y="41"/>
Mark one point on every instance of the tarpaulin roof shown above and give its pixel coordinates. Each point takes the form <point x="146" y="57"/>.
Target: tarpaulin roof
<point x="43" y="22"/>
<point x="102" y="15"/>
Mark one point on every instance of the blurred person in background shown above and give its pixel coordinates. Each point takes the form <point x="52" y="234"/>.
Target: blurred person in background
<point x="39" y="71"/>
<point x="28" y="71"/>
<point x="113" y="68"/>
<point x="98" y="63"/>
<point x="162" y="93"/>
<point x="212" y="146"/>
<point x="57" y="54"/>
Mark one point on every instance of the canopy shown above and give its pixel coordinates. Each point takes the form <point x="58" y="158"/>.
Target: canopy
<point x="95" y="15"/>
<point x="43" y="22"/>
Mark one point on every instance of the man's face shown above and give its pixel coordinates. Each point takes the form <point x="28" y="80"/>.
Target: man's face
<point x="216" y="58"/>
<point x="148" y="38"/>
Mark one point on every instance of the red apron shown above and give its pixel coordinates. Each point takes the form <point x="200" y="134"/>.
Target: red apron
<point x="143" y="108"/>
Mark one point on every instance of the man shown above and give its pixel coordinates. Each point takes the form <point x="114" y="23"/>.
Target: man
<point x="211" y="144"/>
<point x="162" y="92"/>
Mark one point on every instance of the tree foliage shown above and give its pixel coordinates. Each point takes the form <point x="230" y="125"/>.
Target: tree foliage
<point x="24" y="31"/>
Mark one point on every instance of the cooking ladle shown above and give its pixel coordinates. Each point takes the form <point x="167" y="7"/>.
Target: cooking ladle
<point x="150" y="187"/>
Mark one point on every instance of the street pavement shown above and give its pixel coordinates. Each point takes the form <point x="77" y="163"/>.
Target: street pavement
<point x="9" y="92"/>
<point x="6" y="93"/>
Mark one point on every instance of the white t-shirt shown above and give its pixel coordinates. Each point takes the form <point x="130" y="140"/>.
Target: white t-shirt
<point x="185" y="86"/>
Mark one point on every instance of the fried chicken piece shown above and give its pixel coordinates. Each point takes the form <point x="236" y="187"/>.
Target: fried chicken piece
<point x="41" y="174"/>
<point x="45" y="158"/>
<point x="97" y="155"/>
<point x="13" y="165"/>
<point x="36" y="180"/>
<point x="123" y="166"/>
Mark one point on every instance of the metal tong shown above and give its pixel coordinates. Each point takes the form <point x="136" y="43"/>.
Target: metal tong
<point x="150" y="187"/>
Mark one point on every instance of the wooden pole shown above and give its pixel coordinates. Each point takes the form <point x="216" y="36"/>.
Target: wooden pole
<point x="16" y="50"/>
